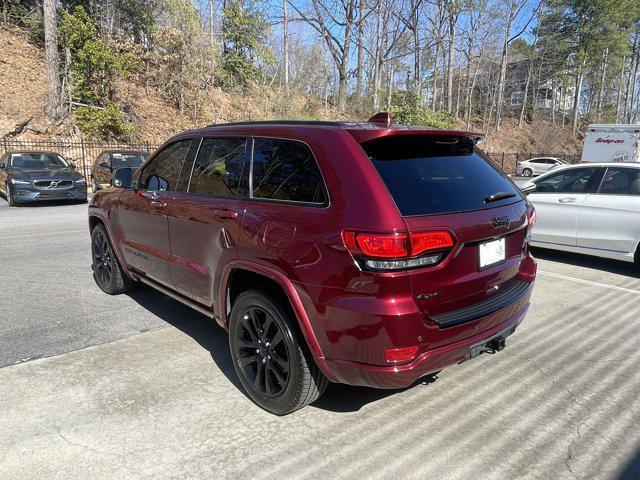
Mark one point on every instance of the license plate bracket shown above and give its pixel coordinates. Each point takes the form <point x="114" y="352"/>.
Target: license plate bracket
<point x="481" y="347"/>
<point x="492" y="253"/>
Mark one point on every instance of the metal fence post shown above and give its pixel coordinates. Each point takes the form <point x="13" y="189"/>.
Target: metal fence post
<point x="148" y="147"/>
<point x="84" y="160"/>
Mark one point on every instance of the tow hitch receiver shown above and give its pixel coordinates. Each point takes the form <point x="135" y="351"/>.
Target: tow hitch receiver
<point x="490" y="345"/>
<point x="495" y="345"/>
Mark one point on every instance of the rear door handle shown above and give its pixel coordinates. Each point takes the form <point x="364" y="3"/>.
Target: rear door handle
<point x="223" y="213"/>
<point x="567" y="200"/>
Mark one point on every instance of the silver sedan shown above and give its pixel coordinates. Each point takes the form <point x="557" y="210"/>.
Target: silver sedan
<point x="537" y="166"/>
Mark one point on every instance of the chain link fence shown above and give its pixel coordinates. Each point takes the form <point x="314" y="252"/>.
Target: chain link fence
<point x="81" y="153"/>
<point x="84" y="153"/>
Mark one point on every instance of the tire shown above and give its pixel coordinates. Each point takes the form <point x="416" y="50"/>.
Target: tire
<point x="94" y="185"/>
<point x="10" y="200"/>
<point x="527" y="172"/>
<point x="106" y="270"/>
<point x="262" y="338"/>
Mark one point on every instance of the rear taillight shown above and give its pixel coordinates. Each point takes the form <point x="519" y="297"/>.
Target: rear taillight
<point x="425" y="241"/>
<point x="396" y="251"/>
<point x="382" y="245"/>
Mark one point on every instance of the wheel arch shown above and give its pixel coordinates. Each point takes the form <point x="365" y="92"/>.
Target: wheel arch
<point x="95" y="219"/>
<point x="241" y="275"/>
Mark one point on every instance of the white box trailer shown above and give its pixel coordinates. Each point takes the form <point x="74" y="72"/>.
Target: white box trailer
<point x="612" y="143"/>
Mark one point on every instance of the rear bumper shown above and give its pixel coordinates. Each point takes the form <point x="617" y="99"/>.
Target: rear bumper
<point x="430" y="361"/>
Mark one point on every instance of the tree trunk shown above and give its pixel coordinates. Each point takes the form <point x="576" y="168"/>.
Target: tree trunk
<point x="390" y="91"/>
<point x="603" y="72"/>
<point x="359" y="82"/>
<point x="578" y="93"/>
<point x="472" y="88"/>
<point x="526" y="85"/>
<point x="212" y="39"/>
<point x="620" y="89"/>
<point x="53" y="108"/>
<point x="377" y="61"/>
<point x="452" y="39"/>
<point x="417" y="82"/>
<point x="632" y="96"/>
<point x="444" y="79"/>
<point x="503" y="71"/>
<point x="553" y="100"/>
<point x="434" y="86"/>
<point x="285" y="45"/>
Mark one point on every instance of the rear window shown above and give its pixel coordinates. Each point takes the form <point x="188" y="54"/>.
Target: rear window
<point x="428" y="174"/>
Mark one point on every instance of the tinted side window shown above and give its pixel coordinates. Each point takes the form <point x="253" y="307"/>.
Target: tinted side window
<point x="221" y="168"/>
<point x="575" y="180"/>
<point x="163" y="172"/>
<point x="621" y="181"/>
<point x="286" y="170"/>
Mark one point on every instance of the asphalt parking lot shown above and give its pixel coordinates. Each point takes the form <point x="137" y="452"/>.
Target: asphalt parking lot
<point x="138" y="386"/>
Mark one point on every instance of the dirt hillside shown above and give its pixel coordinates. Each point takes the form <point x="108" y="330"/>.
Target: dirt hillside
<point x="22" y="87"/>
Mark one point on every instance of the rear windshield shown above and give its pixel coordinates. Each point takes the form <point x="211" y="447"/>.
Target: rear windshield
<point x="123" y="160"/>
<point x="428" y="174"/>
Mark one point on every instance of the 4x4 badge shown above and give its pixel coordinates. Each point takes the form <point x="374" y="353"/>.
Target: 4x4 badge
<point x="500" y="222"/>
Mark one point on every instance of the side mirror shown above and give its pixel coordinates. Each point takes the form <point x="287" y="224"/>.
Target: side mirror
<point x="73" y="166"/>
<point x="3" y="166"/>
<point x="105" y="165"/>
<point x="528" y="187"/>
<point x="123" y="178"/>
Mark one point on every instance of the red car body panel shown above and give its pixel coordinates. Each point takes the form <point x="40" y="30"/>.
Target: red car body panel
<point x="349" y="316"/>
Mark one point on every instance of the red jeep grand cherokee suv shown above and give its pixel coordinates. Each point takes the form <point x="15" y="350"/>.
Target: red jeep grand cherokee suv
<point x="362" y="253"/>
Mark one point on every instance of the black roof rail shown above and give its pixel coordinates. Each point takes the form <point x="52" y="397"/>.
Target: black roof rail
<point x="280" y="122"/>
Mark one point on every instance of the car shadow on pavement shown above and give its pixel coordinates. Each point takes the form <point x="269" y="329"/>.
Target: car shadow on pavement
<point x="342" y="398"/>
<point x="632" y="470"/>
<point x="607" y="265"/>
<point x="204" y="330"/>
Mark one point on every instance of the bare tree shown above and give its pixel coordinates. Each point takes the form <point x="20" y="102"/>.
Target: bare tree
<point x="528" y="81"/>
<point x="453" y="11"/>
<point x="334" y="21"/>
<point x="513" y="9"/>
<point x="285" y="44"/>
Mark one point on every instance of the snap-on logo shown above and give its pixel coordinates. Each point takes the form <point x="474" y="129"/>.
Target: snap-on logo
<point x="608" y="140"/>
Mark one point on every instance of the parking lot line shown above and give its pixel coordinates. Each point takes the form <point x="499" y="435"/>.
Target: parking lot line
<point x="589" y="282"/>
<point x="48" y="234"/>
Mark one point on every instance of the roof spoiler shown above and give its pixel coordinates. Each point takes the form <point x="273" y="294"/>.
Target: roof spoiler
<point x="382" y="119"/>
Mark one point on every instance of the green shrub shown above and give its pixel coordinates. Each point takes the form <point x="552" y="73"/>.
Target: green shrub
<point x="409" y="109"/>
<point x="104" y="124"/>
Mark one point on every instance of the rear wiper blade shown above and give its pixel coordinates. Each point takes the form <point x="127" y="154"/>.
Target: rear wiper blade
<point x="494" y="197"/>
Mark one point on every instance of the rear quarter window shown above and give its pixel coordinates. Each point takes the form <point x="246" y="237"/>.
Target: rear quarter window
<point x="431" y="174"/>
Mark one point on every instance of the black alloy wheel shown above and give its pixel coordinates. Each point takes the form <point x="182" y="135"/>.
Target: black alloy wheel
<point x="9" y="195"/>
<point x="262" y="352"/>
<point x="102" y="259"/>
<point x="270" y="355"/>
<point x="106" y="269"/>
